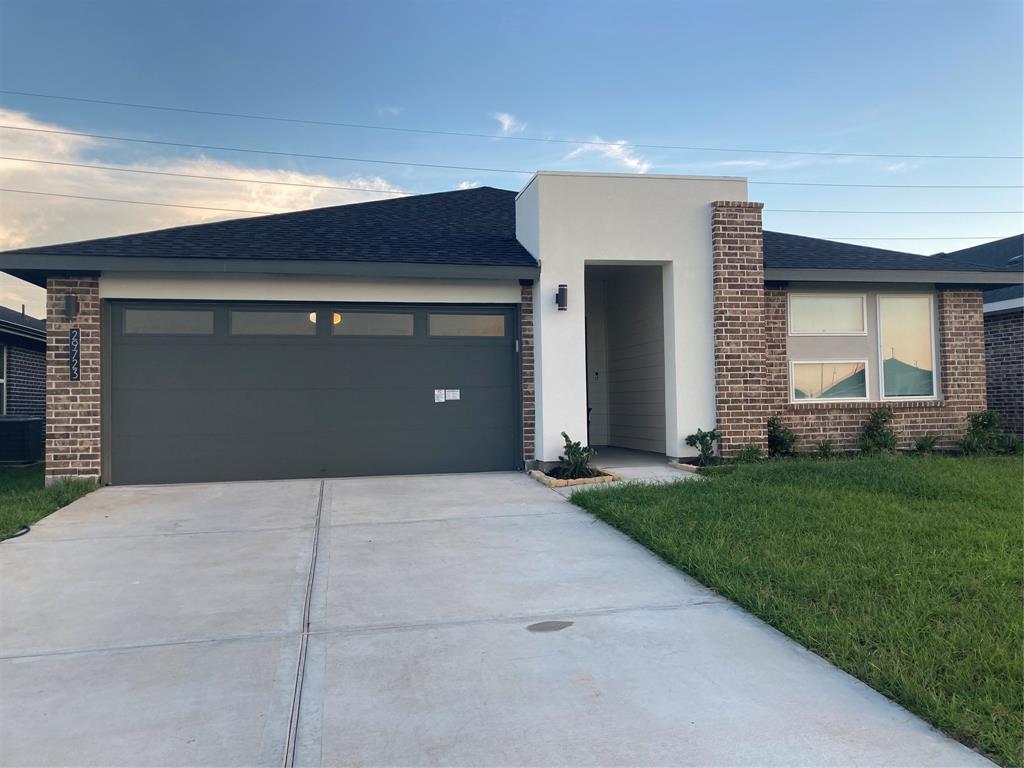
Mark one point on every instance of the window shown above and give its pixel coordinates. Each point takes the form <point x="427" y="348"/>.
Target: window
<point x="831" y="380"/>
<point x="467" y="325"/>
<point x="906" y="343"/>
<point x="261" y="322"/>
<point x="178" y="322"/>
<point x="821" y="314"/>
<point x="372" y="324"/>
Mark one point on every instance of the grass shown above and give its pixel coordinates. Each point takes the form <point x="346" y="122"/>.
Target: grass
<point x="24" y="499"/>
<point x="905" y="571"/>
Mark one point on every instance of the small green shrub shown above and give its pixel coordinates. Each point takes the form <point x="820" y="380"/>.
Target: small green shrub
<point x="704" y="442"/>
<point x="748" y="454"/>
<point x="926" y="444"/>
<point x="826" y="450"/>
<point x="781" y="439"/>
<point x="575" y="458"/>
<point x="878" y="436"/>
<point x="1012" y="445"/>
<point x="984" y="434"/>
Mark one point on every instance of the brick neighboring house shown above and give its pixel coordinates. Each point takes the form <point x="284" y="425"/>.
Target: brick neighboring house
<point x="465" y="331"/>
<point x="1004" y="329"/>
<point x="22" y="375"/>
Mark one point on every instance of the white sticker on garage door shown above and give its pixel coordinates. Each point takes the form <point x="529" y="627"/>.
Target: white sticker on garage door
<point x="453" y="394"/>
<point x="438" y="395"/>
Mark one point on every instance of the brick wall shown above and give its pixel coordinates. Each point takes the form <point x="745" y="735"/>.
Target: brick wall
<point x="526" y="361"/>
<point x="72" y="407"/>
<point x="1004" y="352"/>
<point x="738" y="264"/>
<point x="26" y="381"/>
<point x="962" y="374"/>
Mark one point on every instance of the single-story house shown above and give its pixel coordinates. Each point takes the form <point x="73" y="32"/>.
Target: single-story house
<point x="22" y="385"/>
<point x="465" y="331"/>
<point x="1004" y="329"/>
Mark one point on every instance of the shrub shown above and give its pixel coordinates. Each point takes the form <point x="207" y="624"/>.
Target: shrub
<point x="878" y="436"/>
<point x="781" y="439"/>
<point x="704" y="442"/>
<point x="926" y="443"/>
<point x="985" y="435"/>
<point x="575" y="458"/>
<point x="826" y="450"/>
<point x="749" y="454"/>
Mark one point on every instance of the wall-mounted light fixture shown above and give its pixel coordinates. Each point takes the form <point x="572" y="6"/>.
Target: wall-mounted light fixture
<point x="70" y="306"/>
<point x="562" y="297"/>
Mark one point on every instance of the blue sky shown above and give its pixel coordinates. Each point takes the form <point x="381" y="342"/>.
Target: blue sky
<point x="877" y="77"/>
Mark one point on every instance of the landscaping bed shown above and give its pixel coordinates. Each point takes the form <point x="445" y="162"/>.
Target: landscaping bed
<point x="24" y="499"/>
<point x="905" y="571"/>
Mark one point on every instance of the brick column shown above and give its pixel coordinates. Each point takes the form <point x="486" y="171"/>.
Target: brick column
<point x="526" y="362"/>
<point x="962" y="350"/>
<point x="1004" y="352"/>
<point x="739" y="313"/>
<point x="72" y="407"/>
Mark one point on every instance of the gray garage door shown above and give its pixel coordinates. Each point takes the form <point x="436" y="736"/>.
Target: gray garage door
<point x="204" y="392"/>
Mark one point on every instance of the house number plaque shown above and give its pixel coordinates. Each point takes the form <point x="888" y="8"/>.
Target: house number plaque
<point x="75" y="354"/>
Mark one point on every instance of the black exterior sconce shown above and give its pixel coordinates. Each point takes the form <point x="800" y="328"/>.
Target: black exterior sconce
<point x="562" y="297"/>
<point x="70" y="306"/>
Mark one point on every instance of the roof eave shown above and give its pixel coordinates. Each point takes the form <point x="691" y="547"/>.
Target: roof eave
<point x="35" y="268"/>
<point x="983" y="280"/>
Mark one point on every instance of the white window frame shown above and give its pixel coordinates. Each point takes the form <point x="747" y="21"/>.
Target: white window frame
<point x="827" y="295"/>
<point x="867" y="383"/>
<point x="931" y="343"/>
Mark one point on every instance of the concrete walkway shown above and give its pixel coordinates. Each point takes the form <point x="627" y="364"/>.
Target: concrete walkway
<point x="458" y="620"/>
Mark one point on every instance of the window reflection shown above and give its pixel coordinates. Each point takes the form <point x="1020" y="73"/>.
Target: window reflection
<point x="829" y="381"/>
<point x="906" y="341"/>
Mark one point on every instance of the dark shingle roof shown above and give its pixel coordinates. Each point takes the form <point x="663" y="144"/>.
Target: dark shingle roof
<point x="1008" y="252"/>
<point x="469" y="227"/>
<point x="785" y="251"/>
<point x="14" y="317"/>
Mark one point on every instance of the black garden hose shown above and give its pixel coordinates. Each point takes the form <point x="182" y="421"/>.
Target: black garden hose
<point x="20" y="532"/>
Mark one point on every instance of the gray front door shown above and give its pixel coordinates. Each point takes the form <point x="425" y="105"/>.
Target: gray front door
<point x="215" y="391"/>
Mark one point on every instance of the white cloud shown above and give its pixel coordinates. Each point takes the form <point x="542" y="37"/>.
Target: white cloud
<point x="509" y="123"/>
<point x="469" y="184"/>
<point x="619" y="152"/>
<point x="389" y="111"/>
<point x="30" y="220"/>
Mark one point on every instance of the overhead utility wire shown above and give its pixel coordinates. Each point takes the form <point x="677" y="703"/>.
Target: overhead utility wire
<point x="278" y="153"/>
<point x="470" y="134"/>
<point x="271" y="213"/>
<point x="122" y="169"/>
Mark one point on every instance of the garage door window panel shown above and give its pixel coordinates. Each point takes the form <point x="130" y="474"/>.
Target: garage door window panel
<point x="246" y="322"/>
<point x="372" y="323"/>
<point x="463" y="325"/>
<point x="168" y="322"/>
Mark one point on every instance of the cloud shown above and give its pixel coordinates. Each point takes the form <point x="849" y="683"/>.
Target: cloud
<point x="30" y="220"/>
<point x="619" y="152"/>
<point x="389" y="111"/>
<point x="510" y="124"/>
<point x="469" y="184"/>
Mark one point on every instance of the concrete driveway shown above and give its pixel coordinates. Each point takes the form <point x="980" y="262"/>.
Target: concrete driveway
<point x="456" y="620"/>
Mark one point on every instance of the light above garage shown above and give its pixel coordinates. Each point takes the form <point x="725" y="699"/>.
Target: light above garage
<point x="335" y="320"/>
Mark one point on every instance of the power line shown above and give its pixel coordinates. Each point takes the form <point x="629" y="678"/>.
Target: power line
<point x="470" y="134"/>
<point x="238" y="210"/>
<point x="122" y="169"/>
<point x="278" y="153"/>
<point x="136" y="202"/>
<point x="200" y="176"/>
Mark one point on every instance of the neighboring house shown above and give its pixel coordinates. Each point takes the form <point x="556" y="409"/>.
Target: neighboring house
<point x="22" y="364"/>
<point x="22" y="386"/>
<point x="1004" y="329"/>
<point x="465" y="331"/>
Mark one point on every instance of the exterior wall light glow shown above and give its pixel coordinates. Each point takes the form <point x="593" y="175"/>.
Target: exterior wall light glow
<point x="562" y="297"/>
<point x="335" y="318"/>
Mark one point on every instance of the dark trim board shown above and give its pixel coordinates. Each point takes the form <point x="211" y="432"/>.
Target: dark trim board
<point x="225" y="407"/>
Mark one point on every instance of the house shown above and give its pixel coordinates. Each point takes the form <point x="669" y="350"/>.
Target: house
<point x="22" y="385"/>
<point x="465" y="331"/>
<point x="1004" y="329"/>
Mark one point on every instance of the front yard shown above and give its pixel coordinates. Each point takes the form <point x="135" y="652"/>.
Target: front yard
<point x="905" y="571"/>
<point x="24" y="498"/>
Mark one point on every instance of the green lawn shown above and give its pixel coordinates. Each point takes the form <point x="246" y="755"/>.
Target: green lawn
<point x="907" y="572"/>
<point x="24" y="499"/>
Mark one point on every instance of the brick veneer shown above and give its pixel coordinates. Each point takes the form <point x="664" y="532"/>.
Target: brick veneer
<point x="962" y="373"/>
<point x="1004" y="353"/>
<point x="72" y="407"/>
<point x="526" y="362"/>
<point x="738" y="270"/>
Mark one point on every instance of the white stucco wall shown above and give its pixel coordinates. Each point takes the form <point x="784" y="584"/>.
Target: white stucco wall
<point x="205" y="287"/>
<point x="570" y="220"/>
